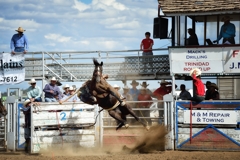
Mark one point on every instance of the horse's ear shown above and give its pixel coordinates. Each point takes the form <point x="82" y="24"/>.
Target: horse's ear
<point x="101" y="63"/>
<point x="95" y="62"/>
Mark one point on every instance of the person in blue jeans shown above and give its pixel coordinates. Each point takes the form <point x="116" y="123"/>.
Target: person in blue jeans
<point x="34" y="92"/>
<point x="19" y="42"/>
<point x="52" y="91"/>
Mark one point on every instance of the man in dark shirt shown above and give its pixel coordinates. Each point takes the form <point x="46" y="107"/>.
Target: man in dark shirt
<point x="52" y="91"/>
<point x="192" y="39"/>
<point x="27" y="126"/>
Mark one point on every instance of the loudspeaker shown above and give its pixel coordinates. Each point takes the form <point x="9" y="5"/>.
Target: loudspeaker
<point x="160" y="28"/>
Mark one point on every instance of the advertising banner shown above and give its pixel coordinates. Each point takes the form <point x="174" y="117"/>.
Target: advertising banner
<point x="12" y="68"/>
<point x="216" y="59"/>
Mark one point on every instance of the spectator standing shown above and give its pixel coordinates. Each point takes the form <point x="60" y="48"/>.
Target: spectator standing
<point x="52" y="91"/>
<point x="27" y="126"/>
<point x="126" y="93"/>
<point x="145" y="85"/>
<point x="192" y="39"/>
<point x="213" y="93"/>
<point x="73" y="98"/>
<point x="227" y="32"/>
<point x="146" y="45"/>
<point x="66" y="89"/>
<point x="19" y="42"/>
<point x="165" y="88"/>
<point x="143" y="96"/>
<point x="134" y="92"/>
<point x="116" y="87"/>
<point x="207" y="95"/>
<point x="34" y="92"/>
<point x="184" y="95"/>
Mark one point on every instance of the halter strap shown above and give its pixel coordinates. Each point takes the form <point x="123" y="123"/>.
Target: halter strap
<point x="115" y="106"/>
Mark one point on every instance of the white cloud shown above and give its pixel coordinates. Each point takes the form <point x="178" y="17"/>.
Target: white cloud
<point x="127" y="25"/>
<point x="80" y="6"/>
<point x="57" y="37"/>
<point x="99" y="25"/>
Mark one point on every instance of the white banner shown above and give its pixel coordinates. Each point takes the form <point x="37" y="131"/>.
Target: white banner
<point x="216" y="59"/>
<point x="232" y="60"/>
<point x="12" y="68"/>
<point x="211" y="117"/>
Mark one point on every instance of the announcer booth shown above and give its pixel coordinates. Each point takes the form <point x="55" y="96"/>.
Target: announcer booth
<point x="216" y="125"/>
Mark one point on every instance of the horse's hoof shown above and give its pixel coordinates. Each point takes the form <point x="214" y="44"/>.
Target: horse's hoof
<point x="119" y="126"/>
<point x="126" y="125"/>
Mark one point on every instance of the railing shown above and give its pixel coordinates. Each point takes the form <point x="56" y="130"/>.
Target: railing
<point x="78" y="66"/>
<point x="159" y="113"/>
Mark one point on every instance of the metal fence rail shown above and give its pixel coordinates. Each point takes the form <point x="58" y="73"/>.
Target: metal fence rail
<point x="78" y="66"/>
<point x="160" y="112"/>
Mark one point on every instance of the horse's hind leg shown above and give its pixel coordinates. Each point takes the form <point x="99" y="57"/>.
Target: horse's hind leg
<point x="118" y="117"/>
<point x="130" y="111"/>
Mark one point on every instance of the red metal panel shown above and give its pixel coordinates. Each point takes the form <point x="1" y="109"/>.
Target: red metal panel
<point x="211" y="139"/>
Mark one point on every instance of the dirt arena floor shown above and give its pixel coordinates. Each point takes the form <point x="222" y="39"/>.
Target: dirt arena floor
<point x="165" y="155"/>
<point x="149" y="147"/>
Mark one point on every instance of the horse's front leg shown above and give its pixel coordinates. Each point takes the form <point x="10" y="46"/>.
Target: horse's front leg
<point x="113" y="93"/>
<point x="114" y="114"/>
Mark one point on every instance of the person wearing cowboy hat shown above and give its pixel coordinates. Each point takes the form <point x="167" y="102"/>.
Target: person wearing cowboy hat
<point x="145" y="85"/>
<point x="213" y="93"/>
<point x="227" y="32"/>
<point x="126" y="93"/>
<point x="27" y="126"/>
<point x="34" y="92"/>
<point x="134" y="92"/>
<point x="52" y="91"/>
<point x="73" y="98"/>
<point x="66" y="89"/>
<point x="144" y="96"/>
<point x="165" y="88"/>
<point x="19" y="42"/>
<point x="116" y="87"/>
<point x="198" y="86"/>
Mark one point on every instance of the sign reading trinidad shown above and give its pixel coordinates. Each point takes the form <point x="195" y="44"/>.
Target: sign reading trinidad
<point x="207" y="59"/>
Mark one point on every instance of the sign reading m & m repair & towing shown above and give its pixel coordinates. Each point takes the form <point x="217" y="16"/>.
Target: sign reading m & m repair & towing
<point x="210" y="117"/>
<point x="208" y="60"/>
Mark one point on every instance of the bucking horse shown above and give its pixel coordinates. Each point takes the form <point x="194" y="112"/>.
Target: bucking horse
<point x="99" y="91"/>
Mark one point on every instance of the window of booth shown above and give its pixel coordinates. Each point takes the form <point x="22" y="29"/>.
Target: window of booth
<point x="235" y="19"/>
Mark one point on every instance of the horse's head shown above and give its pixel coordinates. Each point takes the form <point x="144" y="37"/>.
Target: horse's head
<point x="97" y="73"/>
<point x="3" y="110"/>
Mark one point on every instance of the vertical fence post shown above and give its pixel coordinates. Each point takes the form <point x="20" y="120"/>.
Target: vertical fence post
<point x="43" y="74"/>
<point x="101" y="128"/>
<point x="11" y="123"/>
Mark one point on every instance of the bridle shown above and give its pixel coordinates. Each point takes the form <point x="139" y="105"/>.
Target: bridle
<point x="97" y="73"/>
